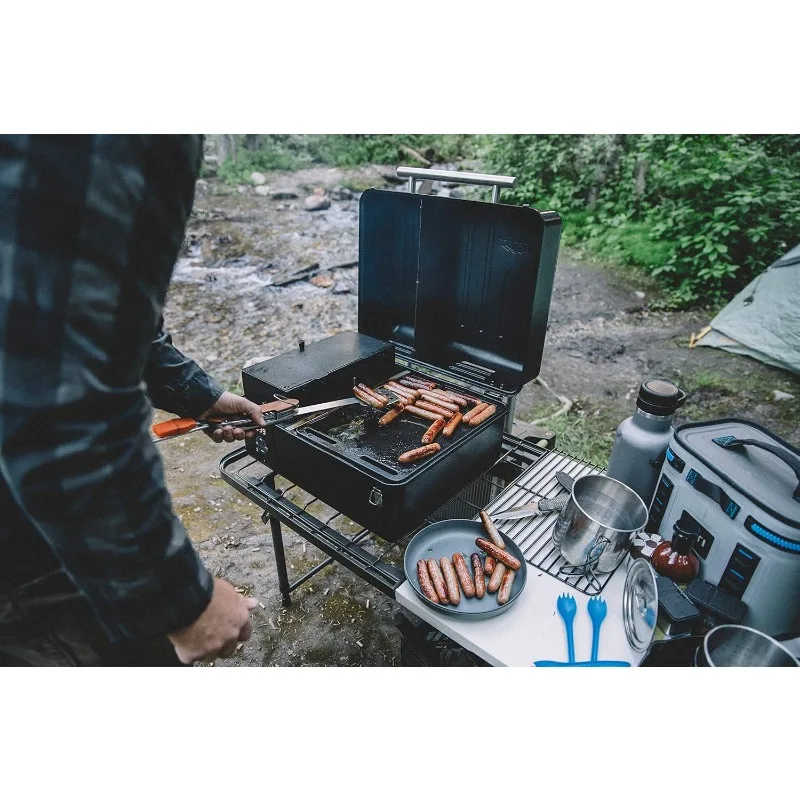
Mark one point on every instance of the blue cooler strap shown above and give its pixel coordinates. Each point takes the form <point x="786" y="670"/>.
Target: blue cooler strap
<point x="730" y="442"/>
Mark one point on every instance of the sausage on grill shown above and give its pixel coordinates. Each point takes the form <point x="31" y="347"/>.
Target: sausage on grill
<point x="368" y="399"/>
<point x="464" y="578"/>
<point x="480" y="577"/>
<point x="504" y="592"/>
<point x="438" y="580"/>
<point x="402" y="390"/>
<point x="497" y="577"/>
<point x="422" y="413"/>
<point x="483" y="416"/>
<point x="434" y="409"/>
<point x="433" y="431"/>
<point x="450" y="580"/>
<point x="370" y="391"/>
<point x="451" y="426"/>
<point x="411" y="456"/>
<point x="499" y="555"/>
<point x="439" y="401"/>
<point x="479" y="409"/>
<point x="390" y="416"/>
<point x="425" y="582"/>
<point x="491" y="529"/>
<point x="416" y="383"/>
<point x="458" y="399"/>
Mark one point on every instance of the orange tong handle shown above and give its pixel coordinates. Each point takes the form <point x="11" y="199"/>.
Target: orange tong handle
<point x="174" y="427"/>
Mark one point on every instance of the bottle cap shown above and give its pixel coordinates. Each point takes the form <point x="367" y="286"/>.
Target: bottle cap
<point x="661" y="398"/>
<point x="684" y="533"/>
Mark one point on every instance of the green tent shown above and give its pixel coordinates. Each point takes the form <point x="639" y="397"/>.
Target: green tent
<point x="763" y="320"/>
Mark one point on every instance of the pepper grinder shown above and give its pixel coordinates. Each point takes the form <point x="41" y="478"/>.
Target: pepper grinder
<point x="675" y="559"/>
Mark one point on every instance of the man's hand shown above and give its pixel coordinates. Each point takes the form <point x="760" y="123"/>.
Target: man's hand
<point x="227" y="405"/>
<point x="217" y="631"/>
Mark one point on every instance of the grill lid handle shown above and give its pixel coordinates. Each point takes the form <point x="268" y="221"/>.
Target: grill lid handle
<point x="497" y="182"/>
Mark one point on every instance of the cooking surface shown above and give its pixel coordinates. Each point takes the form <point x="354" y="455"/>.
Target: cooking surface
<point x="353" y="433"/>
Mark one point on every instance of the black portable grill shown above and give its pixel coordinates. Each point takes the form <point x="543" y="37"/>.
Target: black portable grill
<point x="461" y="291"/>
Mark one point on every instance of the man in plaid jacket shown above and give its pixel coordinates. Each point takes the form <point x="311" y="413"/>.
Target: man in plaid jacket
<point x="95" y="568"/>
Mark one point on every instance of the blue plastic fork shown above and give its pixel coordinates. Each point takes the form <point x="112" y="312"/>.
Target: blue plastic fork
<point x="597" y="611"/>
<point x="567" y="607"/>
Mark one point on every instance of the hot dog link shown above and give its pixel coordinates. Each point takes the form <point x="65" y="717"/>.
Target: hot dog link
<point x="438" y="580"/>
<point x="439" y="401"/>
<point x="416" y="383"/>
<point x="479" y="409"/>
<point x="411" y="456"/>
<point x="433" y="431"/>
<point x="504" y="593"/>
<point x="491" y="529"/>
<point x="483" y="416"/>
<point x="434" y="409"/>
<point x="390" y="416"/>
<point x="450" y="580"/>
<point x="488" y="565"/>
<point x="497" y="577"/>
<point x="480" y="578"/>
<point x="464" y="578"/>
<point x="451" y="426"/>
<point x="368" y="398"/>
<point x="422" y="413"/>
<point x="499" y="555"/>
<point x="425" y="582"/>
<point x="370" y="391"/>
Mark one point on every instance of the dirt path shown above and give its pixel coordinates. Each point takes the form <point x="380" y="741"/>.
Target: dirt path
<point x="225" y="310"/>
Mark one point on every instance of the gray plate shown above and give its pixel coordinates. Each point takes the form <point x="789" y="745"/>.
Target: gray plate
<point x="454" y="536"/>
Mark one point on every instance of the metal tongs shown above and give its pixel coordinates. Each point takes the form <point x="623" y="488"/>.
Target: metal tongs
<point x="279" y="410"/>
<point x="540" y="506"/>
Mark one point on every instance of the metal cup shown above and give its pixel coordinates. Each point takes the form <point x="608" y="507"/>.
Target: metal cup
<point x="739" y="646"/>
<point x="596" y="526"/>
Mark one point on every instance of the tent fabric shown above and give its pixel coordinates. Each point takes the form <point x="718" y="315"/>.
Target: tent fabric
<point x="763" y="320"/>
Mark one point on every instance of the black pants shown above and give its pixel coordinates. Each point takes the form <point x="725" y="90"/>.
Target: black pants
<point x="46" y="622"/>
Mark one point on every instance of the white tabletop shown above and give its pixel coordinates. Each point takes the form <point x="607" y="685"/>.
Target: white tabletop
<point x="531" y="629"/>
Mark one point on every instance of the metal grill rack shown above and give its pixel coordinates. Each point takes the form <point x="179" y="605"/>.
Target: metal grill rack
<point x="522" y="471"/>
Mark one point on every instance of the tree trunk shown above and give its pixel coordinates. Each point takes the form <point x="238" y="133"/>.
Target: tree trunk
<point x="226" y="147"/>
<point x="640" y="175"/>
<point x="603" y="169"/>
<point x="252" y="141"/>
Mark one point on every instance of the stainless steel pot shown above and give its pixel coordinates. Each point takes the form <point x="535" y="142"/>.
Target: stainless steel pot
<point x="739" y="646"/>
<point x="598" y="523"/>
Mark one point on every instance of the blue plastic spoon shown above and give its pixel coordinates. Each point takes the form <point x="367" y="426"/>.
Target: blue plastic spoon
<point x="581" y="663"/>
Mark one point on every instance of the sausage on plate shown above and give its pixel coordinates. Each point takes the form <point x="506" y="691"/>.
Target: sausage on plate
<point x="504" y="592"/>
<point x="480" y="578"/>
<point x="491" y="529"/>
<point x="483" y="416"/>
<point x="450" y="580"/>
<point x="425" y="582"/>
<point x="497" y="577"/>
<point x="451" y="426"/>
<point x="433" y="431"/>
<point x="438" y="580"/>
<point x="464" y="578"/>
<point x="499" y="555"/>
<point x="418" y="453"/>
<point x="488" y="565"/>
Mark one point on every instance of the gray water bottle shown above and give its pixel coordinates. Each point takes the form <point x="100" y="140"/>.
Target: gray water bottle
<point x="640" y="443"/>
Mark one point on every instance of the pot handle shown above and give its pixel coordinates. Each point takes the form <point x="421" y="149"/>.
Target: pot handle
<point x="730" y="442"/>
<point x="497" y="182"/>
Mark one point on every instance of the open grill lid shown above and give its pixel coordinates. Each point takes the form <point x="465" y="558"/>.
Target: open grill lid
<point x="464" y="285"/>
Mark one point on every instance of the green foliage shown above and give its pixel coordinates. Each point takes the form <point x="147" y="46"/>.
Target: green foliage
<point x="702" y="213"/>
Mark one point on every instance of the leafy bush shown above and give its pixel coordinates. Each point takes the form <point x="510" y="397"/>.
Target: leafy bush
<point x="702" y="213"/>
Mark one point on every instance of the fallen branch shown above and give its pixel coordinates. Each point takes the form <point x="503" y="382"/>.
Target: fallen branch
<point x="410" y="151"/>
<point x="309" y="272"/>
<point x="566" y="403"/>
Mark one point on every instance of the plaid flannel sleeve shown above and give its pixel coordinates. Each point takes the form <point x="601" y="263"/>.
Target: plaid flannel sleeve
<point x="175" y="383"/>
<point x="90" y="227"/>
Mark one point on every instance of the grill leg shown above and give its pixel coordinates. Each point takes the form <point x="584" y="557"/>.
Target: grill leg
<point x="280" y="555"/>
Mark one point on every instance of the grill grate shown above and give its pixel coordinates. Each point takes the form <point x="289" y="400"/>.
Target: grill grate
<point x="534" y="535"/>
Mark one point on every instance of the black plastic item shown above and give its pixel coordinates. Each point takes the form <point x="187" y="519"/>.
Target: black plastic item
<point x="320" y="371"/>
<point x="349" y="463"/>
<point x="465" y="285"/>
<point x="676" y="652"/>
<point x="718" y="606"/>
<point x="677" y="614"/>
<point x="660" y="398"/>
